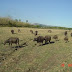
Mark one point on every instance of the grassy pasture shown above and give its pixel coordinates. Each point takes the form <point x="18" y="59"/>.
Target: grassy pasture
<point x="46" y="58"/>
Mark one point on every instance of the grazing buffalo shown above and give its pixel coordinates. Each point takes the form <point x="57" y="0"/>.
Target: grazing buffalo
<point x="19" y="30"/>
<point x="49" y="31"/>
<point x="55" y="37"/>
<point x="47" y="38"/>
<point x="12" y="40"/>
<point x="71" y="34"/>
<point x="66" y="39"/>
<point x="12" y="31"/>
<point x="39" y="39"/>
<point x="65" y="33"/>
<point x="31" y="31"/>
<point x="36" y="33"/>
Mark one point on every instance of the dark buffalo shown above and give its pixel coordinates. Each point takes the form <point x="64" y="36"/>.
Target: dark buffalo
<point x="55" y="37"/>
<point x="36" y="33"/>
<point x="47" y="38"/>
<point x="39" y="39"/>
<point x="66" y="39"/>
<point x="19" y="30"/>
<point x="31" y="31"/>
<point x="71" y="34"/>
<point x="12" y="31"/>
<point x="49" y="31"/>
<point x="65" y="33"/>
<point x="12" y="40"/>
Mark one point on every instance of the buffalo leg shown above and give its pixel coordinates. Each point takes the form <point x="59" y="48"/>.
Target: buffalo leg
<point x="49" y="41"/>
<point x="45" y="42"/>
<point x="9" y="44"/>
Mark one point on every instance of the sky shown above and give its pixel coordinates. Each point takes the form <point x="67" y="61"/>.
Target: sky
<point x="48" y="12"/>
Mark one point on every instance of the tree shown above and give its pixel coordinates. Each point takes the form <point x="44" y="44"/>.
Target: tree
<point x="20" y="20"/>
<point x="16" y="20"/>
<point x="26" y="21"/>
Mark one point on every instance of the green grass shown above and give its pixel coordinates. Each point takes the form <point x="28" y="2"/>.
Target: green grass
<point x="46" y="58"/>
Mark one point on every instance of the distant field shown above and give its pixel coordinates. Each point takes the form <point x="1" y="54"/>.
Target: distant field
<point x="46" y="58"/>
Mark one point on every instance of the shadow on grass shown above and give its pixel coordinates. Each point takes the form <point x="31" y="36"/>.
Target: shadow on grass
<point x="21" y="46"/>
<point x="49" y="43"/>
<point x="66" y="41"/>
<point x="52" y="42"/>
<point x="14" y="33"/>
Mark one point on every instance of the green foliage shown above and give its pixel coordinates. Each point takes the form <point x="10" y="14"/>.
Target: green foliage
<point x="4" y="21"/>
<point x="26" y="21"/>
<point x="16" y="20"/>
<point x="9" y="22"/>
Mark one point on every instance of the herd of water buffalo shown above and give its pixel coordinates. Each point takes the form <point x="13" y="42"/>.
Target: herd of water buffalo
<point x="39" y="39"/>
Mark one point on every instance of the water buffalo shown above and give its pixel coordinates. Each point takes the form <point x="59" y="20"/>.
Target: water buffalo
<point x="66" y="39"/>
<point x="71" y="34"/>
<point x="65" y="33"/>
<point x="19" y="30"/>
<point x="55" y="37"/>
<point x="31" y="31"/>
<point x="12" y="40"/>
<point x="36" y="33"/>
<point x="49" y="31"/>
<point x="39" y="39"/>
<point x="12" y="31"/>
<point x="47" y="38"/>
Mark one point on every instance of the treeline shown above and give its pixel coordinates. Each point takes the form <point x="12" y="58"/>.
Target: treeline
<point x="55" y="27"/>
<point x="9" y="22"/>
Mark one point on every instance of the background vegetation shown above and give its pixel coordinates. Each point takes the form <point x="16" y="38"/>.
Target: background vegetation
<point x="9" y="22"/>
